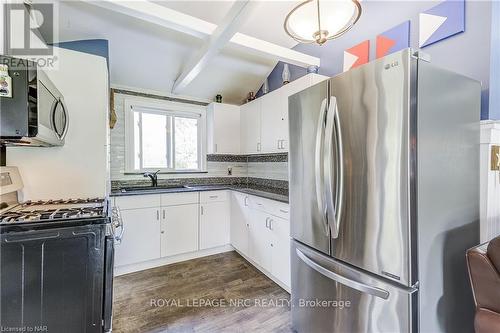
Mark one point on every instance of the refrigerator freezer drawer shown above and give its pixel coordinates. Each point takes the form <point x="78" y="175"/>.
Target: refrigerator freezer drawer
<point x="329" y="296"/>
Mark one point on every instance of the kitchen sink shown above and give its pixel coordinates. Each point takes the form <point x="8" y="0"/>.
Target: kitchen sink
<point x="151" y="188"/>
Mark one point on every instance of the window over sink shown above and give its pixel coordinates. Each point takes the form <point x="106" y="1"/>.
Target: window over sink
<point x="165" y="136"/>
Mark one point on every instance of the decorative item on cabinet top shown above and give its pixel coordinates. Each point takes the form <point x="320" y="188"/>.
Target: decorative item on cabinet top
<point x="251" y="96"/>
<point x="265" y="87"/>
<point x="218" y="98"/>
<point x="286" y="74"/>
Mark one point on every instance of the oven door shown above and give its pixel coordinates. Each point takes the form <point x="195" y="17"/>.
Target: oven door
<point x="52" y="280"/>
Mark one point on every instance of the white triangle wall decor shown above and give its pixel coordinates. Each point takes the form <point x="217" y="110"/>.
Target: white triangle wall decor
<point x="349" y="60"/>
<point x="429" y="24"/>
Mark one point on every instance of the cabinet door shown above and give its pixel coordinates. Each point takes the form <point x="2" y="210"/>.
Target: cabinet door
<point x="214" y="224"/>
<point x="223" y="126"/>
<point x="250" y="115"/>
<point x="280" y="229"/>
<point x="179" y="229"/>
<point x="239" y="222"/>
<point x="141" y="239"/>
<point x="274" y="128"/>
<point x="260" y="240"/>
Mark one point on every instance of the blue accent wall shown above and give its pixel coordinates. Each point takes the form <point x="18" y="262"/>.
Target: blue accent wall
<point x="99" y="47"/>
<point x="474" y="53"/>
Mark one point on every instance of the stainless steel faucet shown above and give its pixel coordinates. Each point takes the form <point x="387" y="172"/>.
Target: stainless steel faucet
<point x="153" y="176"/>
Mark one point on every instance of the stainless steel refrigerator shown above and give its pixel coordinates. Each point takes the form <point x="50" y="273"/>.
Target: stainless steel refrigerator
<point x="384" y="198"/>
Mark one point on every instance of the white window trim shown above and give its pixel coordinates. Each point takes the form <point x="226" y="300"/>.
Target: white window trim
<point x="164" y="107"/>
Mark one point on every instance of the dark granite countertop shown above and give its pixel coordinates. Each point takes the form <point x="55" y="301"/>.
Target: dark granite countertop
<point x="272" y="193"/>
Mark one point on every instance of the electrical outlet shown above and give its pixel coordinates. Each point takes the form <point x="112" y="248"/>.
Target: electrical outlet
<point x="230" y="171"/>
<point x="495" y="158"/>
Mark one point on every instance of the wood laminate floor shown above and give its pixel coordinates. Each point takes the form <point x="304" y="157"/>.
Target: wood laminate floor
<point x="219" y="293"/>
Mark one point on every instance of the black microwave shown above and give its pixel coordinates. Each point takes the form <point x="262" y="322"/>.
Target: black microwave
<point x="35" y="114"/>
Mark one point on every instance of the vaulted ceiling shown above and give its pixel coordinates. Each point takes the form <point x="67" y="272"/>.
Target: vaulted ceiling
<point x="146" y="55"/>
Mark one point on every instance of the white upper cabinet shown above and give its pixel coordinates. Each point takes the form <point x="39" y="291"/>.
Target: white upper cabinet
<point x="250" y="122"/>
<point x="264" y="122"/>
<point x="223" y="129"/>
<point x="274" y="123"/>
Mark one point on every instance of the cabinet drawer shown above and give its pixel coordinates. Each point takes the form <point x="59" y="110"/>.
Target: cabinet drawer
<point x="173" y="199"/>
<point x="137" y="201"/>
<point x="279" y="209"/>
<point x="214" y="196"/>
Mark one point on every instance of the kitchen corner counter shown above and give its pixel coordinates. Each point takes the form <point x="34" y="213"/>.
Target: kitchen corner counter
<point x="272" y="193"/>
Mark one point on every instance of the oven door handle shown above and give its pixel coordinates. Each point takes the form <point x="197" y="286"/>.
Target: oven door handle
<point x="14" y="239"/>
<point x="117" y="221"/>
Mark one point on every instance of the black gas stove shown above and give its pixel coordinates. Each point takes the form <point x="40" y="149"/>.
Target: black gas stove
<point x="54" y="211"/>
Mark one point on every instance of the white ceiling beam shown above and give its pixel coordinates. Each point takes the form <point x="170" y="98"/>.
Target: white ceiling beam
<point x="219" y="38"/>
<point x="159" y="15"/>
<point x="175" y="20"/>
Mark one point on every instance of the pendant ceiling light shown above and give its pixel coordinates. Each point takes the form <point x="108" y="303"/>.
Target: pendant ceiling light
<point x="316" y="21"/>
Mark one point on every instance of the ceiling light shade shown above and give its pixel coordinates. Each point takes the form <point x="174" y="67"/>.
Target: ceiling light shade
<point x="315" y="21"/>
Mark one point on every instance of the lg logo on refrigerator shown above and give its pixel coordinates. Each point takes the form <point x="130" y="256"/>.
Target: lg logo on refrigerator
<point x="391" y="65"/>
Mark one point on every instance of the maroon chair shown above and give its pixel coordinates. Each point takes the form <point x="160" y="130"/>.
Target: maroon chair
<point x="483" y="262"/>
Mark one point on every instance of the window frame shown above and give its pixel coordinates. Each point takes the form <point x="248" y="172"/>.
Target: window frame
<point x="164" y="108"/>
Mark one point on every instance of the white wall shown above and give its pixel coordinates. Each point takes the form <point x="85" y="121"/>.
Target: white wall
<point x="490" y="182"/>
<point x="80" y="168"/>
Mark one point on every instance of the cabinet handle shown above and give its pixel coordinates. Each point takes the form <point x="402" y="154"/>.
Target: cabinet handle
<point x="267" y="222"/>
<point x="284" y="211"/>
<point x="215" y="147"/>
<point x="201" y="210"/>
<point x="271" y="224"/>
<point x="246" y="203"/>
<point x="164" y="214"/>
<point x="158" y="215"/>
<point x="258" y="146"/>
<point x="213" y="196"/>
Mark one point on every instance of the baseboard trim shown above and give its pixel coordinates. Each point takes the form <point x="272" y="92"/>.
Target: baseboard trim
<point x="126" y="269"/>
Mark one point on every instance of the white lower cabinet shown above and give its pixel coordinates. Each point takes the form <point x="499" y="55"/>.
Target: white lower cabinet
<point x="260" y="239"/>
<point x="173" y="224"/>
<point x="179" y="229"/>
<point x="240" y="221"/>
<point x="280" y="229"/>
<point x="214" y="224"/>
<point x="141" y="241"/>
<point x="260" y="234"/>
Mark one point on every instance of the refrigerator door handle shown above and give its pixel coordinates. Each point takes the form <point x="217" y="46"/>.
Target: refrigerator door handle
<point x="331" y="209"/>
<point x="339" y="198"/>
<point x="364" y="288"/>
<point x="318" y="165"/>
